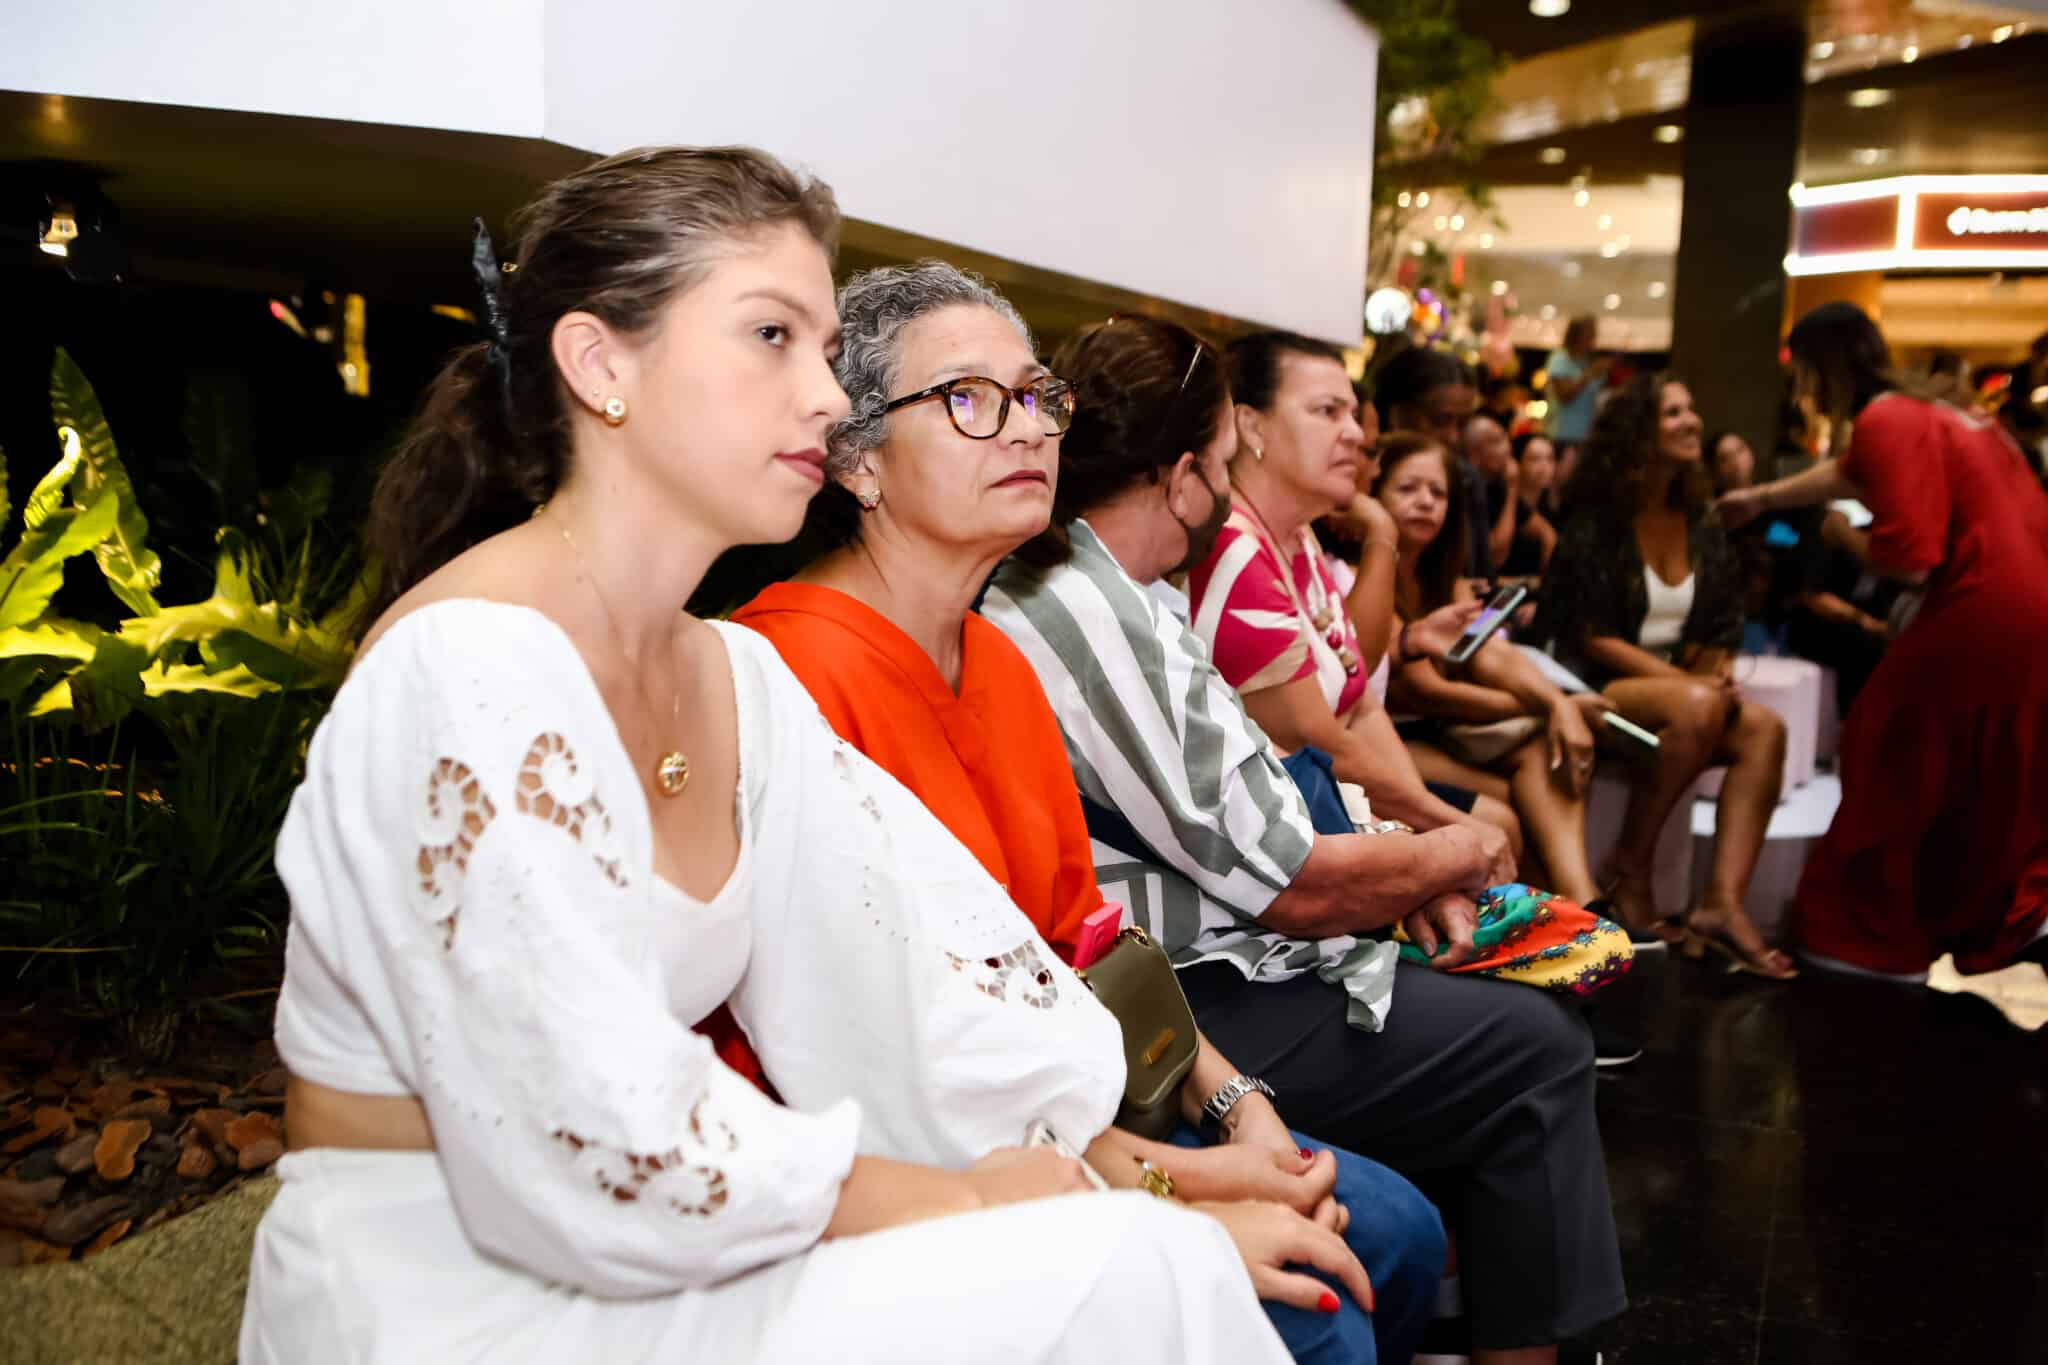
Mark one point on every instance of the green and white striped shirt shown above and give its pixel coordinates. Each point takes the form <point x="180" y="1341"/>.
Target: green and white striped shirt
<point x="1155" y="733"/>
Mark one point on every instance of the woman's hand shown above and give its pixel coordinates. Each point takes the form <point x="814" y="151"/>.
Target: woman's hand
<point x="1270" y="1237"/>
<point x="1236" y="1172"/>
<point x="1434" y="634"/>
<point x="1447" y="921"/>
<point x="1740" y="506"/>
<point x="1366" y="520"/>
<point x="1012" y="1175"/>
<point x="1571" y="747"/>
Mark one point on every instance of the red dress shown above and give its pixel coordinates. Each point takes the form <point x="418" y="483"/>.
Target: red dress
<point x="1941" y="842"/>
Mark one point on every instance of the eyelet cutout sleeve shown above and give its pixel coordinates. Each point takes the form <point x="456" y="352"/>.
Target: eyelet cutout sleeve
<point x="471" y="848"/>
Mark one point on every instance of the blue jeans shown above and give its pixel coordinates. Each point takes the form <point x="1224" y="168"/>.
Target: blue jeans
<point x="1399" y="1239"/>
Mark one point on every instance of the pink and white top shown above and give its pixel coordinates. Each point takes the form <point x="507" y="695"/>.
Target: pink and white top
<point x="1266" y="627"/>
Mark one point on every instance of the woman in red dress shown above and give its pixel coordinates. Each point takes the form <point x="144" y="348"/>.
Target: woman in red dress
<point x="1941" y="842"/>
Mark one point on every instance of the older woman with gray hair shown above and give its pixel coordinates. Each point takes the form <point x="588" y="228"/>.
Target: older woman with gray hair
<point x="945" y="464"/>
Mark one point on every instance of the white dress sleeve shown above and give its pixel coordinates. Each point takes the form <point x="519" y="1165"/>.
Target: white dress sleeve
<point x="469" y="856"/>
<point x="889" y="968"/>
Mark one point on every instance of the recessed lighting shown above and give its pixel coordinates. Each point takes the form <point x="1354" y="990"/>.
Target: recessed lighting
<point x="1422" y="200"/>
<point x="1550" y="9"/>
<point x="1870" y="97"/>
<point x="1605" y="221"/>
<point x="1657" y="289"/>
<point x="1610" y="249"/>
<point x="1868" y="156"/>
<point x="1910" y="55"/>
<point x="1548" y="311"/>
<point x="1419" y="247"/>
<point x="1668" y="132"/>
<point x="1582" y="198"/>
<point x="1613" y="301"/>
<point x="2040" y="396"/>
<point x="1486" y="241"/>
<point x="1404" y="199"/>
<point x="1551" y="156"/>
<point x="1442" y="222"/>
<point x="1499" y="287"/>
<point x="1823" y="51"/>
<point x="1457" y="222"/>
<point x="1572" y="270"/>
<point x="2001" y="33"/>
<point x="54" y="248"/>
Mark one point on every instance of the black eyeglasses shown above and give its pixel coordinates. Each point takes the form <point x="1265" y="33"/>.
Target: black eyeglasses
<point x="979" y="405"/>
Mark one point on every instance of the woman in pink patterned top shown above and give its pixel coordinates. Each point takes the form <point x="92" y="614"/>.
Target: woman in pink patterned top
<point x="1286" y="638"/>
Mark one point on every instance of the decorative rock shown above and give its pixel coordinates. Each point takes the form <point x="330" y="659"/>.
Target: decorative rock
<point x="251" y="1128"/>
<point x="109" y="1235"/>
<point x="69" y="1227"/>
<point x="259" y="1154"/>
<point x="76" y="1155"/>
<point x="156" y="1106"/>
<point x="110" y="1099"/>
<point x="214" y="1123"/>
<point x="47" y="1122"/>
<point x="114" y="1156"/>
<point x="25" y="1206"/>
<point x="40" y="1164"/>
<point x="196" y="1162"/>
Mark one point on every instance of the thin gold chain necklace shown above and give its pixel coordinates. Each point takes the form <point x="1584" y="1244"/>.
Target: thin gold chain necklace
<point x="672" y="769"/>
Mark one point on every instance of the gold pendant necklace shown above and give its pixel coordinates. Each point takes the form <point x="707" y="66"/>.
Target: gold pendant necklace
<point x="672" y="769"/>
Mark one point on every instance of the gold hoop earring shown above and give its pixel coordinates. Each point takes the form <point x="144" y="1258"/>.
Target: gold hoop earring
<point x="615" y="410"/>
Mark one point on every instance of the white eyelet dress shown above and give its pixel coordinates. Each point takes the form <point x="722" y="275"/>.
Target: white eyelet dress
<point x="475" y="922"/>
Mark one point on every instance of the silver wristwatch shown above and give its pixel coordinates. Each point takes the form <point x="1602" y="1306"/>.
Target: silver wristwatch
<point x="1234" y="1089"/>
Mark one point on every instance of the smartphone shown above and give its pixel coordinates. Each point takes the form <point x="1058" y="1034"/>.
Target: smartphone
<point x="1614" y="722"/>
<point x="1098" y="932"/>
<point x="1859" y="516"/>
<point x="1040" y="1134"/>
<point x="1486" y="623"/>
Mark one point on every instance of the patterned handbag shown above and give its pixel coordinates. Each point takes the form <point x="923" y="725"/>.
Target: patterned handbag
<point x="1538" y="939"/>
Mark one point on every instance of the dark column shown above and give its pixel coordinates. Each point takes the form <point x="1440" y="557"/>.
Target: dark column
<point x="1741" y="154"/>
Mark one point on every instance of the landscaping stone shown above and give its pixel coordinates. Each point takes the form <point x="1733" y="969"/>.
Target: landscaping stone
<point x="114" y="1156"/>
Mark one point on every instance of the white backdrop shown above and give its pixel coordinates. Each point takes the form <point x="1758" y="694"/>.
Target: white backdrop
<point x="1214" y="152"/>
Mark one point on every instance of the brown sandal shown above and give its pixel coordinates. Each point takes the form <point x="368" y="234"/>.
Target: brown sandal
<point x="1769" y="963"/>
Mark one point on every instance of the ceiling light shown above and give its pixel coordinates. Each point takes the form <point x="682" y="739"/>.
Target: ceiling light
<point x="1657" y="289"/>
<point x="1868" y="156"/>
<point x="1613" y="301"/>
<point x="1442" y="222"/>
<point x="1387" y="311"/>
<point x="1797" y="188"/>
<point x="1500" y="287"/>
<point x="1549" y="9"/>
<point x="2040" y="396"/>
<point x="1581" y="199"/>
<point x="1823" y="51"/>
<point x="1668" y="132"/>
<point x="1610" y="249"/>
<point x="1548" y="311"/>
<point x="1572" y="270"/>
<point x="1457" y="222"/>
<point x="2001" y="33"/>
<point x="1422" y="200"/>
<point x="1551" y="156"/>
<point x="1419" y="247"/>
<point x="1910" y="55"/>
<point x="1870" y="97"/>
<point x="54" y="248"/>
<point x="1404" y="199"/>
<point x="1486" y="241"/>
<point x="1605" y="221"/>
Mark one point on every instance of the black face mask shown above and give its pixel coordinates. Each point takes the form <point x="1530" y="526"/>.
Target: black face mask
<point x="1202" y="535"/>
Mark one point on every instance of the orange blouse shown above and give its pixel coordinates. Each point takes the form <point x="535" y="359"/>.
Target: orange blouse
<point x="989" y="762"/>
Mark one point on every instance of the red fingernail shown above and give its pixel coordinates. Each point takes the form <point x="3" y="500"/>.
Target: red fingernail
<point x="1307" y="1155"/>
<point x="1328" y="1302"/>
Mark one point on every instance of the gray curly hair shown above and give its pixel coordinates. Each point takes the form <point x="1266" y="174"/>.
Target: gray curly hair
<point x="874" y="308"/>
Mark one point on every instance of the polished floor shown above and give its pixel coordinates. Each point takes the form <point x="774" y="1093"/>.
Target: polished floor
<point x="1827" y="1171"/>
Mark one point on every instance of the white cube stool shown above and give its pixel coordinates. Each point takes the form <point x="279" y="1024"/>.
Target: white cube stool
<point x="1796" y="826"/>
<point x="1792" y="688"/>
<point x="1607" y="803"/>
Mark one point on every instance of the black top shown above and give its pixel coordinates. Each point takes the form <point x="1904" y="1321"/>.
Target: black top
<point x="1523" y="559"/>
<point x="1478" y="558"/>
<point x="1594" y="586"/>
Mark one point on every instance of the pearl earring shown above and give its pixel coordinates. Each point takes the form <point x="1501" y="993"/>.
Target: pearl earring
<point x="615" y="410"/>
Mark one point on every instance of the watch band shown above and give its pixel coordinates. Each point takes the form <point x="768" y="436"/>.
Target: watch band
<point x="1236" y="1088"/>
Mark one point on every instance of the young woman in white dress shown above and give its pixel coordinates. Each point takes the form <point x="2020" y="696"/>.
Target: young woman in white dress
<point x="552" y="822"/>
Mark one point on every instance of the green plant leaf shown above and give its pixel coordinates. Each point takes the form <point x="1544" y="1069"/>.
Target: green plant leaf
<point x="51" y="638"/>
<point x="34" y="568"/>
<point x="104" y="690"/>
<point x="163" y="679"/>
<point x="262" y="638"/>
<point x="48" y="494"/>
<point x="131" y="567"/>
